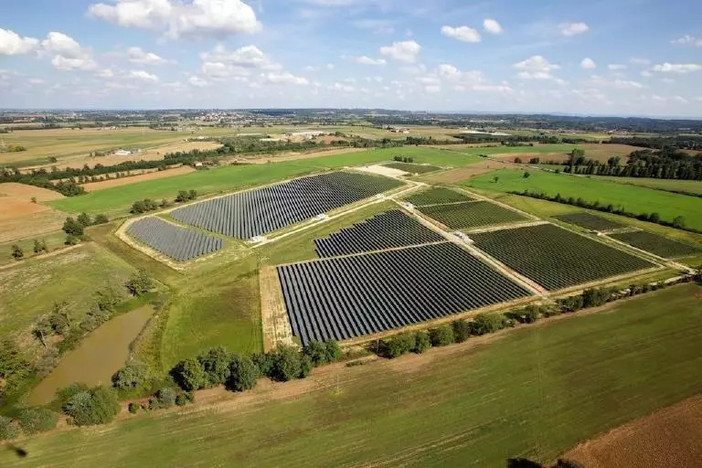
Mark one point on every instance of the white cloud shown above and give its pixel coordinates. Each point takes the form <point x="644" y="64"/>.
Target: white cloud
<point x="342" y="87"/>
<point x="640" y="61"/>
<point x="143" y="76"/>
<point x="403" y="51"/>
<point x="69" y="53"/>
<point x="588" y="64"/>
<point x="616" y="67"/>
<point x="285" y="78"/>
<point x="221" y="63"/>
<point x="12" y="43"/>
<point x="492" y="26"/>
<point x="186" y="18"/>
<point x="537" y="67"/>
<point x="365" y="60"/>
<point x="601" y="82"/>
<point x="140" y="56"/>
<point x="461" y="33"/>
<point x="573" y="29"/>
<point x="688" y="40"/>
<point x="105" y="73"/>
<point x="198" y="82"/>
<point x="676" y="67"/>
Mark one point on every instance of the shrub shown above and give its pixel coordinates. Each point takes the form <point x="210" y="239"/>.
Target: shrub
<point x="63" y="395"/>
<point x="306" y="366"/>
<point x="71" y="240"/>
<point x="166" y="397"/>
<point x="333" y="350"/>
<point x="17" y="252"/>
<point x="215" y="363"/>
<point x="100" y="219"/>
<point x="73" y="227"/>
<point x="181" y="399"/>
<point x="441" y="336"/>
<point x="286" y="364"/>
<point x="8" y="429"/>
<point x="134" y="408"/>
<point x="398" y="345"/>
<point x="189" y="374"/>
<point x="131" y="376"/>
<point x="40" y="246"/>
<point x="95" y="406"/>
<point x="242" y="373"/>
<point x="317" y="352"/>
<point x="483" y="324"/>
<point x="461" y="330"/>
<point x="140" y="283"/>
<point x="264" y="362"/>
<point x="422" y="342"/>
<point x="34" y="420"/>
<point x="529" y="314"/>
<point x="84" y="219"/>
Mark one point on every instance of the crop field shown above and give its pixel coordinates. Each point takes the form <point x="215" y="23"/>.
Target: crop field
<point x="347" y="297"/>
<point x="438" y="196"/>
<point x="471" y="214"/>
<point x="655" y="244"/>
<point x="383" y="231"/>
<point x="673" y="185"/>
<point x="458" y="405"/>
<point x="589" y="221"/>
<point x="412" y="168"/>
<point x="632" y="198"/>
<point x="259" y="212"/>
<point x="556" y="258"/>
<point x="180" y="244"/>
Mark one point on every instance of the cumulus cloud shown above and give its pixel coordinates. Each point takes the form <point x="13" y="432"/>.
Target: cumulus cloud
<point x="588" y="64"/>
<point x="688" y="40"/>
<point x="143" y="76"/>
<point x="365" y="60"/>
<point x="461" y="33"/>
<point x="537" y="67"/>
<point x="403" y="51"/>
<point x="12" y="43"/>
<point x="176" y="19"/>
<point x="140" y="56"/>
<point x="573" y="29"/>
<point x="599" y="81"/>
<point x="69" y="53"/>
<point x="221" y="63"/>
<point x="677" y="67"/>
<point x="492" y="26"/>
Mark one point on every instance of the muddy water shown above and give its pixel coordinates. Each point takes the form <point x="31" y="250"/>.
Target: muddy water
<point x="100" y="355"/>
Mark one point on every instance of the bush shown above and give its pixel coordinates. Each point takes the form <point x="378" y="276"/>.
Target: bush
<point x="398" y="345"/>
<point x="461" y="330"/>
<point x="140" y="283"/>
<point x="529" y="314"/>
<point x="286" y="364"/>
<point x="483" y="324"/>
<point x="63" y="395"/>
<point x="34" y="420"/>
<point x="441" y="336"/>
<point x="8" y="429"/>
<point x="322" y="353"/>
<point x="166" y="397"/>
<point x="333" y="350"/>
<point x="181" y="399"/>
<point x="17" y="252"/>
<point x="189" y="374"/>
<point x="100" y="219"/>
<point x="215" y="363"/>
<point x="422" y="342"/>
<point x="73" y="227"/>
<point x="71" y="240"/>
<point x="131" y="376"/>
<point x="242" y="373"/>
<point x="142" y="206"/>
<point x="306" y="366"/>
<point x="84" y="219"/>
<point x="95" y="406"/>
<point x="134" y="408"/>
<point x="264" y="362"/>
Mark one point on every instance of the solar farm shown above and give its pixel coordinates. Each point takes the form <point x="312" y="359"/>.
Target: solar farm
<point x="178" y="243"/>
<point x="412" y="168"/>
<point x="258" y="212"/>
<point x="342" y="298"/>
<point x="589" y="221"/>
<point x="437" y="196"/>
<point x="471" y="214"/>
<point x="657" y="245"/>
<point x="557" y="258"/>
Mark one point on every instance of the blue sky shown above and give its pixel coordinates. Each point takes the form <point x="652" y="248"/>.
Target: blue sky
<point x="621" y="57"/>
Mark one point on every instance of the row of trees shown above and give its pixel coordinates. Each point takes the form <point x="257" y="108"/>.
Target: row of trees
<point x="663" y="164"/>
<point x="147" y="204"/>
<point x="678" y="222"/>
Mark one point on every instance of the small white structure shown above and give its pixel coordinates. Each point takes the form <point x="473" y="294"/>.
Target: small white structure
<point x="258" y="239"/>
<point x="463" y="237"/>
<point x="122" y="152"/>
<point x="321" y="217"/>
<point x="408" y="205"/>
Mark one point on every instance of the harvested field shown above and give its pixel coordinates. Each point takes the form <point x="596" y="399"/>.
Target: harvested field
<point x="258" y="212"/>
<point x="471" y="214"/>
<point x="384" y="231"/>
<point x="347" y="297"/>
<point x="454" y="176"/>
<point x="20" y="218"/>
<point x="438" y="196"/>
<point x="556" y="258"/>
<point x="589" y="221"/>
<point x="667" y="438"/>
<point x="413" y="168"/>
<point x="93" y="186"/>
<point x="655" y="244"/>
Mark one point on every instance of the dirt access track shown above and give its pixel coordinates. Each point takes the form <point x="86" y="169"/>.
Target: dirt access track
<point x="667" y="438"/>
<point x="21" y="218"/>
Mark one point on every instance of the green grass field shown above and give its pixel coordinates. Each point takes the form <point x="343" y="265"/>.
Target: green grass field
<point x="690" y="186"/>
<point x="632" y="198"/>
<point x="534" y="392"/>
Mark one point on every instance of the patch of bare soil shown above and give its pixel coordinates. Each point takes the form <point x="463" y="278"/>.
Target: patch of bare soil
<point x="460" y="174"/>
<point x="26" y="192"/>
<point x="93" y="186"/>
<point x="671" y="437"/>
<point x="20" y="217"/>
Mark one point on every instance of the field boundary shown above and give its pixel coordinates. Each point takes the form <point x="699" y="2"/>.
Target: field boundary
<point x="274" y="317"/>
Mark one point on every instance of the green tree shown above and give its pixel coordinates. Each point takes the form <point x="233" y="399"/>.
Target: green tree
<point x="17" y="252"/>
<point x="286" y="364"/>
<point x="679" y="222"/>
<point x="484" y="323"/>
<point x="140" y="283"/>
<point x="461" y="330"/>
<point x="166" y="397"/>
<point x="34" y="420"/>
<point x="318" y="352"/>
<point x="441" y="335"/>
<point x="84" y="219"/>
<point x="215" y="363"/>
<point x="398" y="345"/>
<point x="98" y="405"/>
<point x="100" y="219"/>
<point x="242" y="373"/>
<point x="189" y="374"/>
<point x="333" y="350"/>
<point x="73" y="228"/>
<point x="8" y="429"/>
<point x="422" y="342"/>
<point x="133" y="375"/>
<point x="71" y="240"/>
<point x="108" y="297"/>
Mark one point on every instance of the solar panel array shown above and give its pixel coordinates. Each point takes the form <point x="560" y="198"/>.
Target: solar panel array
<point x="347" y="297"/>
<point x="180" y="244"/>
<point x="258" y="212"/>
<point x="384" y="231"/>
